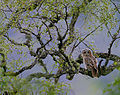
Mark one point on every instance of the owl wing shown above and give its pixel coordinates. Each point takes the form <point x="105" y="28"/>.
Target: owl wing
<point x="94" y="59"/>
<point x="95" y="62"/>
<point x="90" y="63"/>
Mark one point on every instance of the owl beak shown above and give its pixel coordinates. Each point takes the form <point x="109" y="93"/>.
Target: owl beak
<point x="87" y="54"/>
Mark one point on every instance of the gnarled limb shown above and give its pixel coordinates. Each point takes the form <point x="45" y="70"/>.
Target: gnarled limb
<point x="103" y="71"/>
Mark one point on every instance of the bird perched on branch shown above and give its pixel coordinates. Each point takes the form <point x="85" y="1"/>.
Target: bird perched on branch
<point x="90" y="62"/>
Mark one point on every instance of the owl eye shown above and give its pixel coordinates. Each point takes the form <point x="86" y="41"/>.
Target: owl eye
<point x="89" y="51"/>
<point x="84" y="52"/>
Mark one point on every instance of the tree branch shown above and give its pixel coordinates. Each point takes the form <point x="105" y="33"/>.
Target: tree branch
<point x="113" y="57"/>
<point x="114" y="38"/>
<point x="21" y="70"/>
<point x="12" y="41"/>
<point x="88" y="35"/>
<point x="75" y="16"/>
<point x="3" y="62"/>
<point x="115" y="6"/>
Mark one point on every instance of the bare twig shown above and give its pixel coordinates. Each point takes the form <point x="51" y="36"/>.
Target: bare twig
<point x="88" y="35"/>
<point x="12" y="41"/>
<point x="73" y="47"/>
<point x="66" y="16"/>
<point x="115" y="6"/>
<point x="87" y="46"/>
<point x="109" y="31"/>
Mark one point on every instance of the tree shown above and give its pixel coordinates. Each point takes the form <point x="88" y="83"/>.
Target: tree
<point x="32" y="31"/>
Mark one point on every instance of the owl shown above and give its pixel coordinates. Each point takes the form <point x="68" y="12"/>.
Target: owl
<point x="90" y="62"/>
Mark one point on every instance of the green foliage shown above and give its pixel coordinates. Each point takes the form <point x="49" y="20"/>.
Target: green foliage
<point x="35" y="87"/>
<point x="113" y="88"/>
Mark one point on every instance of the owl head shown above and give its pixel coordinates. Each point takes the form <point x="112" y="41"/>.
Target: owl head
<point x="86" y="52"/>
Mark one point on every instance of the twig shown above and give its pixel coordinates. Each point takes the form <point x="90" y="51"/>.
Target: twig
<point x="21" y="70"/>
<point x="115" y="6"/>
<point x="88" y="35"/>
<point x="12" y="41"/>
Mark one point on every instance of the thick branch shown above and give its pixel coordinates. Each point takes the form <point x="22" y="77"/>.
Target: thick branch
<point x="103" y="71"/>
<point x="39" y="75"/>
<point x="81" y="70"/>
<point x="3" y="62"/>
<point x="113" y="57"/>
